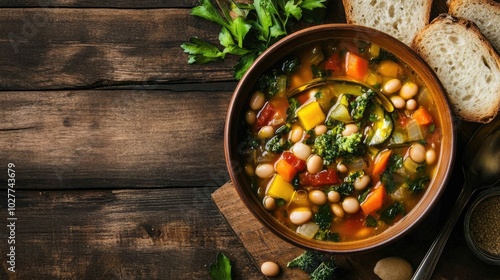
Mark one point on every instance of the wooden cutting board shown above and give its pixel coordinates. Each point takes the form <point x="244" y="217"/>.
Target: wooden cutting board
<point x="262" y="245"/>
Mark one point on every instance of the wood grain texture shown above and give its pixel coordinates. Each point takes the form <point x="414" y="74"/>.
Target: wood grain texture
<point x="121" y="234"/>
<point x="114" y="138"/>
<point x="74" y="48"/>
<point x="98" y="4"/>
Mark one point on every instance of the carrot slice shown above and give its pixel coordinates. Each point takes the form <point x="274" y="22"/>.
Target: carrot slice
<point x="374" y="200"/>
<point x="421" y="116"/>
<point x="285" y="170"/>
<point x="356" y="66"/>
<point x="380" y="164"/>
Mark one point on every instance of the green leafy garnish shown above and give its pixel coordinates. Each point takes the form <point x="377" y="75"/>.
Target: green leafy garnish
<point x="247" y="29"/>
<point x="221" y="269"/>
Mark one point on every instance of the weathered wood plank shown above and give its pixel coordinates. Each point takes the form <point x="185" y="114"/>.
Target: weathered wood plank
<point x="71" y="48"/>
<point x="114" y="138"/>
<point x="98" y="4"/>
<point x="120" y="234"/>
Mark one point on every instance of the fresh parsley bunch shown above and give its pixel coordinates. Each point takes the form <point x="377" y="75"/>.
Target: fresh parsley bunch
<point x="248" y="29"/>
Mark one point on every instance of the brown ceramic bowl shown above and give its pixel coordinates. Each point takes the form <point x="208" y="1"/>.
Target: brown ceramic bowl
<point x="235" y="126"/>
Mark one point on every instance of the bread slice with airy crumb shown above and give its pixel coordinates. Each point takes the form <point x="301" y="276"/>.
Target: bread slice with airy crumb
<point x="466" y="64"/>
<point x="484" y="13"/>
<point x="400" y="19"/>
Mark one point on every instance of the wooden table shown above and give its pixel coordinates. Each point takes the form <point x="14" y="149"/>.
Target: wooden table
<point x="116" y="145"/>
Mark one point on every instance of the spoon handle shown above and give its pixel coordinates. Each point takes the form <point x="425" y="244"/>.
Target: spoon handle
<point x="426" y="268"/>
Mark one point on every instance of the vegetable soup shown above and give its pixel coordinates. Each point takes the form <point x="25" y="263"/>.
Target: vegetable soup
<point x="341" y="141"/>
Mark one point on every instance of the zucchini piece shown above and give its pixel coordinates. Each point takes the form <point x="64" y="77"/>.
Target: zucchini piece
<point x="340" y="110"/>
<point x="381" y="129"/>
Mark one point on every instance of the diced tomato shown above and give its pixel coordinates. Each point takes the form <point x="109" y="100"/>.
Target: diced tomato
<point x="334" y="63"/>
<point x="294" y="161"/>
<point x="265" y="115"/>
<point x="273" y="113"/>
<point x="356" y="66"/>
<point x="324" y="177"/>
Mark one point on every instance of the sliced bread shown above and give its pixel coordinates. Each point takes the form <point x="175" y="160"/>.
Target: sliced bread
<point x="484" y="13"/>
<point x="466" y="64"/>
<point x="400" y="19"/>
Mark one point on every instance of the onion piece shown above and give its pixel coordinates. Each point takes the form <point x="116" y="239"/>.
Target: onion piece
<point x="415" y="132"/>
<point x="308" y="230"/>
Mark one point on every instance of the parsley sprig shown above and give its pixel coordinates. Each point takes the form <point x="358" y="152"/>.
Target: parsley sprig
<point x="247" y="29"/>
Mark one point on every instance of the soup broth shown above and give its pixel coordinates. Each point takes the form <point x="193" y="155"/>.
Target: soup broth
<point x="333" y="161"/>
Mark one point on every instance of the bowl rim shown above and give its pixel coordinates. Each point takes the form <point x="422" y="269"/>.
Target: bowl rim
<point x="293" y="42"/>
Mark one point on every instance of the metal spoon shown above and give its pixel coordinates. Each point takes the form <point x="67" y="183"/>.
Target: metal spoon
<point x="481" y="167"/>
<point x="381" y="98"/>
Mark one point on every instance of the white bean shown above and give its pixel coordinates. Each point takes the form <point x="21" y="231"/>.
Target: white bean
<point x="296" y="134"/>
<point x="320" y="129"/>
<point x="269" y="203"/>
<point x="398" y="101"/>
<point x="300" y="217"/>
<point x="337" y="210"/>
<point x="257" y="100"/>
<point x="350" y="129"/>
<point x="314" y="164"/>
<point x="430" y="157"/>
<point x="265" y="132"/>
<point x="417" y="153"/>
<point x="264" y="170"/>
<point x="301" y="150"/>
<point x="392" y="86"/>
<point x="361" y="182"/>
<point x="350" y="205"/>
<point x="317" y="197"/>
<point x="270" y="269"/>
<point x="250" y="117"/>
<point x="333" y="196"/>
<point x="341" y="168"/>
<point x="408" y="90"/>
<point x="411" y="104"/>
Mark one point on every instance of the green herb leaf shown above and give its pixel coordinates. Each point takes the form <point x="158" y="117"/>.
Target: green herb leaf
<point x="247" y="29"/>
<point x="221" y="269"/>
<point x="201" y="52"/>
<point x="208" y="11"/>
<point x="312" y="4"/>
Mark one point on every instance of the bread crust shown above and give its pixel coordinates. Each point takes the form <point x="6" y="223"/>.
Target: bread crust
<point x="403" y="27"/>
<point x="484" y="13"/>
<point x="488" y="110"/>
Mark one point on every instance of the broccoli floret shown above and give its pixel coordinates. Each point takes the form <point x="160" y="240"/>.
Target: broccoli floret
<point x="325" y="146"/>
<point x="324" y="217"/>
<point x="325" y="271"/>
<point x="351" y="144"/>
<point x="275" y="144"/>
<point x="308" y="261"/>
<point x="360" y="104"/>
<point x="332" y="145"/>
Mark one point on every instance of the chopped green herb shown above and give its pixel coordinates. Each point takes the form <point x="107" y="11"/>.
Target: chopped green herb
<point x="389" y="214"/>
<point x="371" y="221"/>
<point x="247" y="29"/>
